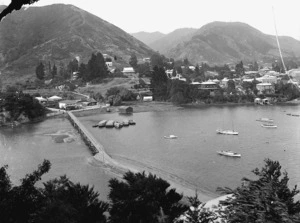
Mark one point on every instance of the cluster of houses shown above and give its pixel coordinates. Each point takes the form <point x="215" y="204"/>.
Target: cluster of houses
<point x="59" y="102"/>
<point x="266" y="80"/>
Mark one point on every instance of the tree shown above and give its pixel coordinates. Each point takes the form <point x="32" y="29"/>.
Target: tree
<point x="142" y="198"/>
<point x="157" y="60"/>
<point x="197" y="213"/>
<point x="133" y="61"/>
<point x="54" y="71"/>
<point x="40" y="71"/>
<point x="15" y="5"/>
<point x="230" y="86"/>
<point x="267" y="199"/>
<point x="239" y="69"/>
<point x="159" y="82"/>
<point x="96" y="68"/>
<point x="59" y="201"/>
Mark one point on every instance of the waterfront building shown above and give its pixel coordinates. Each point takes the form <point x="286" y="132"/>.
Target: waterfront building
<point x="68" y="104"/>
<point x="125" y="109"/>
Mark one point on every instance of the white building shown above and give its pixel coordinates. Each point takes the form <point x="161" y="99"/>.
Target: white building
<point x="265" y="88"/>
<point x="267" y="79"/>
<point x="128" y="71"/>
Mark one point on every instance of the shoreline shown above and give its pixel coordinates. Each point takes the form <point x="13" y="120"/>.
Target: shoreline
<point x="118" y="168"/>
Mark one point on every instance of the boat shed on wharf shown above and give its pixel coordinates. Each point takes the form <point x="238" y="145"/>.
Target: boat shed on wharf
<point x="125" y="109"/>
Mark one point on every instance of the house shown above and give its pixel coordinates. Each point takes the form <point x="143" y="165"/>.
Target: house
<point x="267" y="79"/>
<point x="90" y="102"/>
<point x="54" y="98"/>
<point x="208" y="85"/>
<point x="128" y="71"/>
<point x="147" y="60"/>
<point x="125" y="109"/>
<point x="145" y="96"/>
<point x="68" y="104"/>
<point x="169" y="73"/>
<point x="265" y="88"/>
<point x="41" y="100"/>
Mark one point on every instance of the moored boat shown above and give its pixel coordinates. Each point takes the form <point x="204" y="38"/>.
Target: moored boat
<point x="118" y="125"/>
<point x="102" y="123"/>
<point x="265" y="120"/>
<point x="171" y="137"/>
<point x="228" y="153"/>
<point x="265" y="125"/>
<point x="131" y="122"/>
<point x="227" y="132"/>
<point x="125" y="122"/>
<point x="109" y="124"/>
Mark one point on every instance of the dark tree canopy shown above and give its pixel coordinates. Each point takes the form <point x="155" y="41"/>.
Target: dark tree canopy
<point x="59" y="201"/>
<point x="267" y="199"/>
<point x="142" y="198"/>
<point x="15" y="5"/>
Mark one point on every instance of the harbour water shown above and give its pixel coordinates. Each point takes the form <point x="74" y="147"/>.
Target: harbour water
<point x="190" y="160"/>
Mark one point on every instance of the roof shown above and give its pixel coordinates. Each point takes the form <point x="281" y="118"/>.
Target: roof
<point x="128" y="70"/>
<point x="55" y="98"/>
<point x="69" y="101"/>
<point x="208" y="82"/>
<point x="264" y="84"/>
<point x="41" y="99"/>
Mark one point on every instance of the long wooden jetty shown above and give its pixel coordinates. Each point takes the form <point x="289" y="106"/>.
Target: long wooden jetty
<point x="96" y="148"/>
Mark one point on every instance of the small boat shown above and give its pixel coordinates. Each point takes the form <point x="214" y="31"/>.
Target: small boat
<point x="131" y="122"/>
<point x="171" y="137"/>
<point x="265" y="120"/>
<point x="118" y="125"/>
<point x="109" y="124"/>
<point x="227" y="132"/>
<point x="102" y="123"/>
<point x="265" y="125"/>
<point x="126" y="123"/>
<point x="228" y="153"/>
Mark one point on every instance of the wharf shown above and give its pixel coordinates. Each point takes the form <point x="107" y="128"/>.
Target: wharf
<point x="96" y="148"/>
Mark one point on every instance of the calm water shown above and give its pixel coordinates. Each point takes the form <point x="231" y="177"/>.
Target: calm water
<point x="25" y="147"/>
<point x="190" y="160"/>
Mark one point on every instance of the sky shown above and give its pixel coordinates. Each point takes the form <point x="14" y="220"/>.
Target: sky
<point x="167" y="15"/>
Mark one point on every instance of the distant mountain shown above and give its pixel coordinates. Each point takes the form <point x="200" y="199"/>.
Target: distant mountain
<point x="229" y="42"/>
<point x="147" y="37"/>
<point x="60" y="33"/>
<point x="164" y="44"/>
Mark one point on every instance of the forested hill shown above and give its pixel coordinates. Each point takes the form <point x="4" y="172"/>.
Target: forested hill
<point x="59" y="33"/>
<point x="225" y="42"/>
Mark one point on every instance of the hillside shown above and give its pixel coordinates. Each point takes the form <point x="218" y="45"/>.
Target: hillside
<point x="224" y="42"/>
<point x="164" y="44"/>
<point x="147" y="37"/>
<point x="59" y="33"/>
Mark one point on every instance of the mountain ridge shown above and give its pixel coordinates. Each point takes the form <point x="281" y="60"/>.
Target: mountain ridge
<point x="225" y="42"/>
<point x="148" y="37"/>
<point x="58" y="33"/>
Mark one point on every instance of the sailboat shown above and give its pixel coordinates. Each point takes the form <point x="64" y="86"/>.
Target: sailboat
<point x="227" y="131"/>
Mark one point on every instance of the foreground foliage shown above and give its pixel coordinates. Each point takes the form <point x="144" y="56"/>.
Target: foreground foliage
<point x="267" y="199"/>
<point x="142" y="198"/>
<point x="60" y="200"/>
<point x="197" y="213"/>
